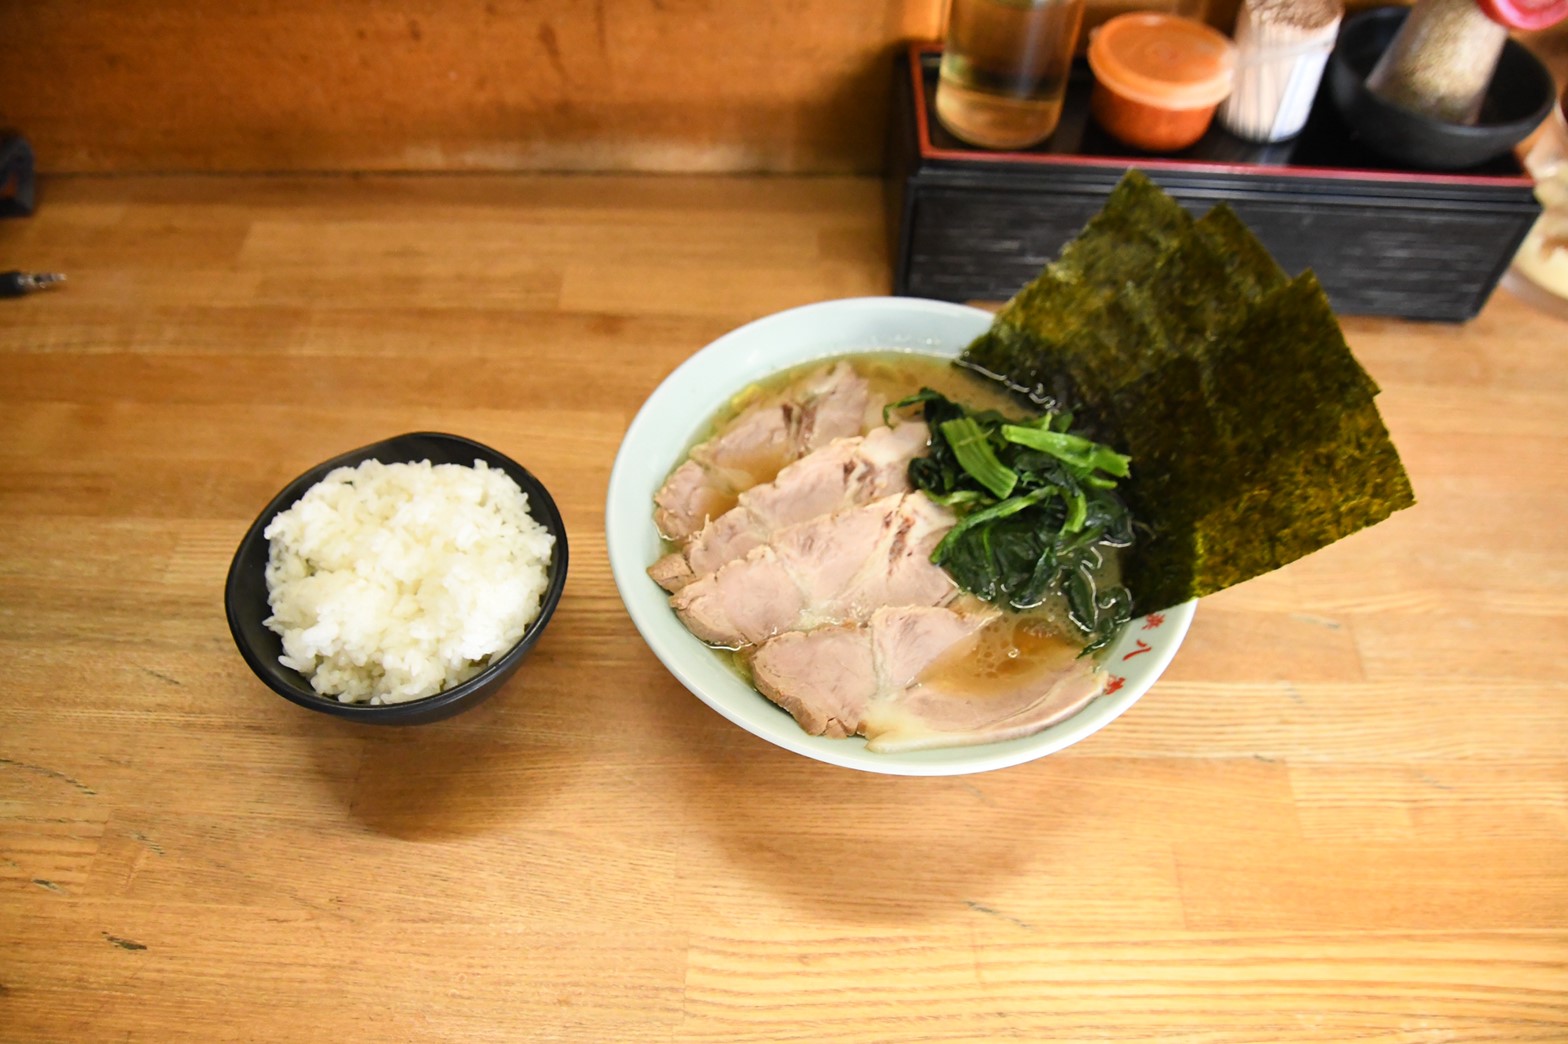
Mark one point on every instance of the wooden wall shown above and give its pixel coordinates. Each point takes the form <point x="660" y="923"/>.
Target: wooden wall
<point x="455" y="85"/>
<point x="693" y="85"/>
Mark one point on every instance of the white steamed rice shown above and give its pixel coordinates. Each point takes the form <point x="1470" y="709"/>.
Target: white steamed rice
<point x="393" y="582"/>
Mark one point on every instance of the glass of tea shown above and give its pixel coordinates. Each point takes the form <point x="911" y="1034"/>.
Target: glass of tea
<point x="1004" y="69"/>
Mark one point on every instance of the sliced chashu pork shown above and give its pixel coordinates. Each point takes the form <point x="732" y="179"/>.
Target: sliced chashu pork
<point x="831" y="569"/>
<point x="842" y="474"/>
<point x="912" y="677"/>
<point x="826" y="404"/>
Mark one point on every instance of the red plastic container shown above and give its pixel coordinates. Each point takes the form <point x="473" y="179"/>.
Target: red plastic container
<point x="1158" y="79"/>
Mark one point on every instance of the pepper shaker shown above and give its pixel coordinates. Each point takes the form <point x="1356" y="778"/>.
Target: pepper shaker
<point x="1441" y="62"/>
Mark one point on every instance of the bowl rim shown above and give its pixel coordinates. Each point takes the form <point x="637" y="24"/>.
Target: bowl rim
<point x="542" y="508"/>
<point x="678" y="651"/>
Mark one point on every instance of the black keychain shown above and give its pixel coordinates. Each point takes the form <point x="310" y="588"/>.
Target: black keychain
<point x="17" y="200"/>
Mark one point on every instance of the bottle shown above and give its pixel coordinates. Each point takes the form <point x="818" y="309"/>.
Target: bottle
<point x="1441" y="62"/>
<point x="1004" y="69"/>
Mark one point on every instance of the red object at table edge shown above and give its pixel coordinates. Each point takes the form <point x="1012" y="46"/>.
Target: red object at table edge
<point x="1525" y="14"/>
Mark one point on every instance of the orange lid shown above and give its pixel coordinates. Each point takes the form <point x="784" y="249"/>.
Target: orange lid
<point x="1163" y="60"/>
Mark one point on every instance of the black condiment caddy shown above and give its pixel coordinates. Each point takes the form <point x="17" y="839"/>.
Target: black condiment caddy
<point x="968" y="224"/>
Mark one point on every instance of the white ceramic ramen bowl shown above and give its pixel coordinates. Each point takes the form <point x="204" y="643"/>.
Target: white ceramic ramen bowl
<point x="677" y="413"/>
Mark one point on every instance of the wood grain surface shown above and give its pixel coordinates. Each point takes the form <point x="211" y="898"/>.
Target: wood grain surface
<point x="477" y="85"/>
<point x="1341" y="816"/>
<point x="207" y="85"/>
<point x="455" y="85"/>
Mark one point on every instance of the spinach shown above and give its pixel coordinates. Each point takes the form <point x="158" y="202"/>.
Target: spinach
<point x="1037" y="508"/>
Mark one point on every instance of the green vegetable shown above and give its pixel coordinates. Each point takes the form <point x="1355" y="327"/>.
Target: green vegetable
<point x="1084" y="456"/>
<point x="1184" y="344"/>
<point x="973" y="449"/>
<point x="1037" y="511"/>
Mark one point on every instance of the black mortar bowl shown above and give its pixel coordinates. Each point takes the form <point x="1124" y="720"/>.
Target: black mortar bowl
<point x="1519" y="97"/>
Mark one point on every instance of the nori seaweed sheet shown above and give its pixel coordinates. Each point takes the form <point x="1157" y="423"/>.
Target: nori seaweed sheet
<point x="1137" y="225"/>
<point x="1253" y="431"/>
<point x="1204" y="283"/>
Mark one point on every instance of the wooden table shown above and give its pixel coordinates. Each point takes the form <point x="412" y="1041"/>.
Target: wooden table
<point x="1341" y="816"/>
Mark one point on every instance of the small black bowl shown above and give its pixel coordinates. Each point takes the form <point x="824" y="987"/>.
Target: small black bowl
<point x="245" y="594"/>
<point x="1519" y="97"/>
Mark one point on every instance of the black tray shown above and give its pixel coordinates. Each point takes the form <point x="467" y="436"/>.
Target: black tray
<point x="971" y="224"/>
